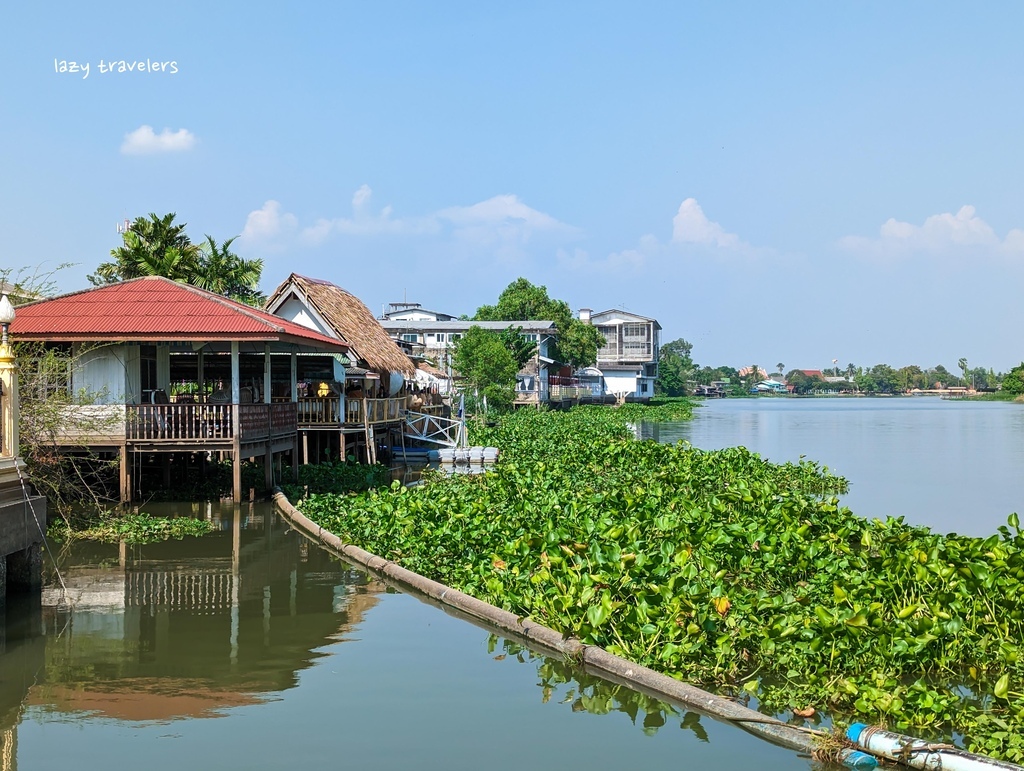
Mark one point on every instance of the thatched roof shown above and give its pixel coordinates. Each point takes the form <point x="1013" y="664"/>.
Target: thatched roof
<point x="348" y="318"/>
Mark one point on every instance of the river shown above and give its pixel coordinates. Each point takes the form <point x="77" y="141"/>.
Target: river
<point x="251" y="648"/>
<point x="954" y="466"/>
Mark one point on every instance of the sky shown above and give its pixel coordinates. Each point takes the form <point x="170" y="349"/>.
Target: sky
<point x="774" y="182"/>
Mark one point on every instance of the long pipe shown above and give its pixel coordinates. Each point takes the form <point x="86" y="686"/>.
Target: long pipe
<point x="918" y="753"/>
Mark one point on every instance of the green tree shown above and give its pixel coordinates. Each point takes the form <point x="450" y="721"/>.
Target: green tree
<point x="522" y="350"/>
<point x="222" y="271"/>
<point x="157" y="246"/>
<point x="675" y="368"/>
<point x="578" y="342"/>
<point x="1013" y="381"/>
<point x="487" y="366"/>
<point x="152" y="246"/>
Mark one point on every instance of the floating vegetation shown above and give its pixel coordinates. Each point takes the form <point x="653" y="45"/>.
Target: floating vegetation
<point x="721" y="569"/>
<point x="111" y="527"/>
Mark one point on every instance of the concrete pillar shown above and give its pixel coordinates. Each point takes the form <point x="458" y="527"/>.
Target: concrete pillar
<point x="25" y="569"/>
<point x="236" y="396"/>
<point x="8" y="403"/>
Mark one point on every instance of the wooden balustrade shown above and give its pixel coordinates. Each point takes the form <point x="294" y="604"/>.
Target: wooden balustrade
<point x="208" y="422"/>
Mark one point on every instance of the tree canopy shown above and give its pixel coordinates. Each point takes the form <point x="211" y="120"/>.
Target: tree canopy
<point x="675" y="368"/>
<point x="158" y="246"/>
<point x="578" y="342"/>
<point x="487" y="366"/>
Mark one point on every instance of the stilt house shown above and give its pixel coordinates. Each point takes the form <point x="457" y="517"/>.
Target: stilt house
<point x="162" y="367"/>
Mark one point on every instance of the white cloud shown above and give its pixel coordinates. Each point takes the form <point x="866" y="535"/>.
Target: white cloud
<point x="144" y="141"/>
<point x="691" y="226"/>
<point x="500" y="227"/>
<point x="268" y="226"/>
<point x="940" y="234"/>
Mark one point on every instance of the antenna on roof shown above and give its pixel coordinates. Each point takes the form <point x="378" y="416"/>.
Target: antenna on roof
<point x="124" y="227"/>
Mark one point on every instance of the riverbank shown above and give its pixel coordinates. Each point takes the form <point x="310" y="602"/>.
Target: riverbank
<point x="720" y="569"/>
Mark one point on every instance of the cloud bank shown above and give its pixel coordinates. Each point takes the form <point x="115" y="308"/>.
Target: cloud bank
<point x="940" y="234"/>
<point x="145" y="141"/>
<point x="501" y="227"/>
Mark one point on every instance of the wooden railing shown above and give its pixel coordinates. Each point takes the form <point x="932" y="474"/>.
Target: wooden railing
<point x="209" y="422"/>
<point x="360" y="411"/>
<point x="319" y="411"/>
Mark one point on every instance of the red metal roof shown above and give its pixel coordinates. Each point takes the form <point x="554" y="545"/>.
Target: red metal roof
<point x="156" y="309"/>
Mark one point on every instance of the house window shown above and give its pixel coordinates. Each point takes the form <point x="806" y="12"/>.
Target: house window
<point x="643" y="388"/>
<point x="411" y="338"/>
<point x="455" y="336"/>
<point x="636" y="332"/>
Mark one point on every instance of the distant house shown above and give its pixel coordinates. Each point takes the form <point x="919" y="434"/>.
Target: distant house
<point x="414" y="312"/>
<point x="436" y="339"/>
<point x="628" y="360"/>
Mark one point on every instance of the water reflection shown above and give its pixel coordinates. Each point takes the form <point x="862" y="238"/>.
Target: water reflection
<point x="562" y="682"/>
<point x="189" y="628"/>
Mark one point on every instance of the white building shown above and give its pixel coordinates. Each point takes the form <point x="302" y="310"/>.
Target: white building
<point x="628" y="360"/>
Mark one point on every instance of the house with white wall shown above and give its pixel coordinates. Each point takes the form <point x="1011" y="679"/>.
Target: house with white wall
<point x="628" y="360"/>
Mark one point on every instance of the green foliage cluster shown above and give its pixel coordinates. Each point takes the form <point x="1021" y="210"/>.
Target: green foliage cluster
<point x="487" y="366"/>
<point x="113" y="527"/>
<point x="578" y="342"/>
<point x="338" y="478"/>
<point x="722" y="569"/>
<point x="157" y="246"/>
<point x="1013" y="382"/>
<point x="675" y="368"/>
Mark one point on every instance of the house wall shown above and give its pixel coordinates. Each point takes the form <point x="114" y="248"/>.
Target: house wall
<point x="102" y="374"/>
<point x="295" y="310"/>
<point x="621" y="382"/>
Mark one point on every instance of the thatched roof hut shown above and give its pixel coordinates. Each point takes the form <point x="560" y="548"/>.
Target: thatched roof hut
<point x="331" y="310"/>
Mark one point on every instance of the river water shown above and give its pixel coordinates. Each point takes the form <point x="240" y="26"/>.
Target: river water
<point x="954" y="466"/>
<point x="251" y="648"/>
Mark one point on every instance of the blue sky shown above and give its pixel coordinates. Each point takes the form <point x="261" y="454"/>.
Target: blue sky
<point x="790" y="182"/>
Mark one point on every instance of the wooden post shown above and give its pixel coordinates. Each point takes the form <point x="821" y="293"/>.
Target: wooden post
<point x="305" y="448"/>
<point x="266" y="374"/>
<point x="126" y="475"/>
<point x="236" y="387"/>
<point x="295" y="376"/>
<point x="268" y="467"/>
<point x="200" y="377"/>
<point x="236" y="474"/>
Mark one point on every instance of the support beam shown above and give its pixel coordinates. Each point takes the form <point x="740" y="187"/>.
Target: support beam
<point x="200" y="376"/>
<point x="266" y="373"/>
<point x="295" y="376"/>
<point x="126" y="475"/>
<point x="236" y="386"/>
<point x="236" y="474"/>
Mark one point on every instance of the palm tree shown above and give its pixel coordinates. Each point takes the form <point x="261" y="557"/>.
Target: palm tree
<point x="222" y="271"/>
<point x="780" y="365"/>
<point x="152" y="246"/>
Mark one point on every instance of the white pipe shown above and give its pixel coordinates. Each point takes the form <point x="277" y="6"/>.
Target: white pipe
<point x="918" y="753"/>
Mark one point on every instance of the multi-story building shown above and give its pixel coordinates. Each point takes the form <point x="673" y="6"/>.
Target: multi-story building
<point x="628" y="360"/>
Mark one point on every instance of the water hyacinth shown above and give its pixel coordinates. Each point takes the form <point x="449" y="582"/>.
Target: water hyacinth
<point x="722" y="569"/>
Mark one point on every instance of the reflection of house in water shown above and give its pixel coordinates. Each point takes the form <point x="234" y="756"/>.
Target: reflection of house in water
<point x="189" y="628"/>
